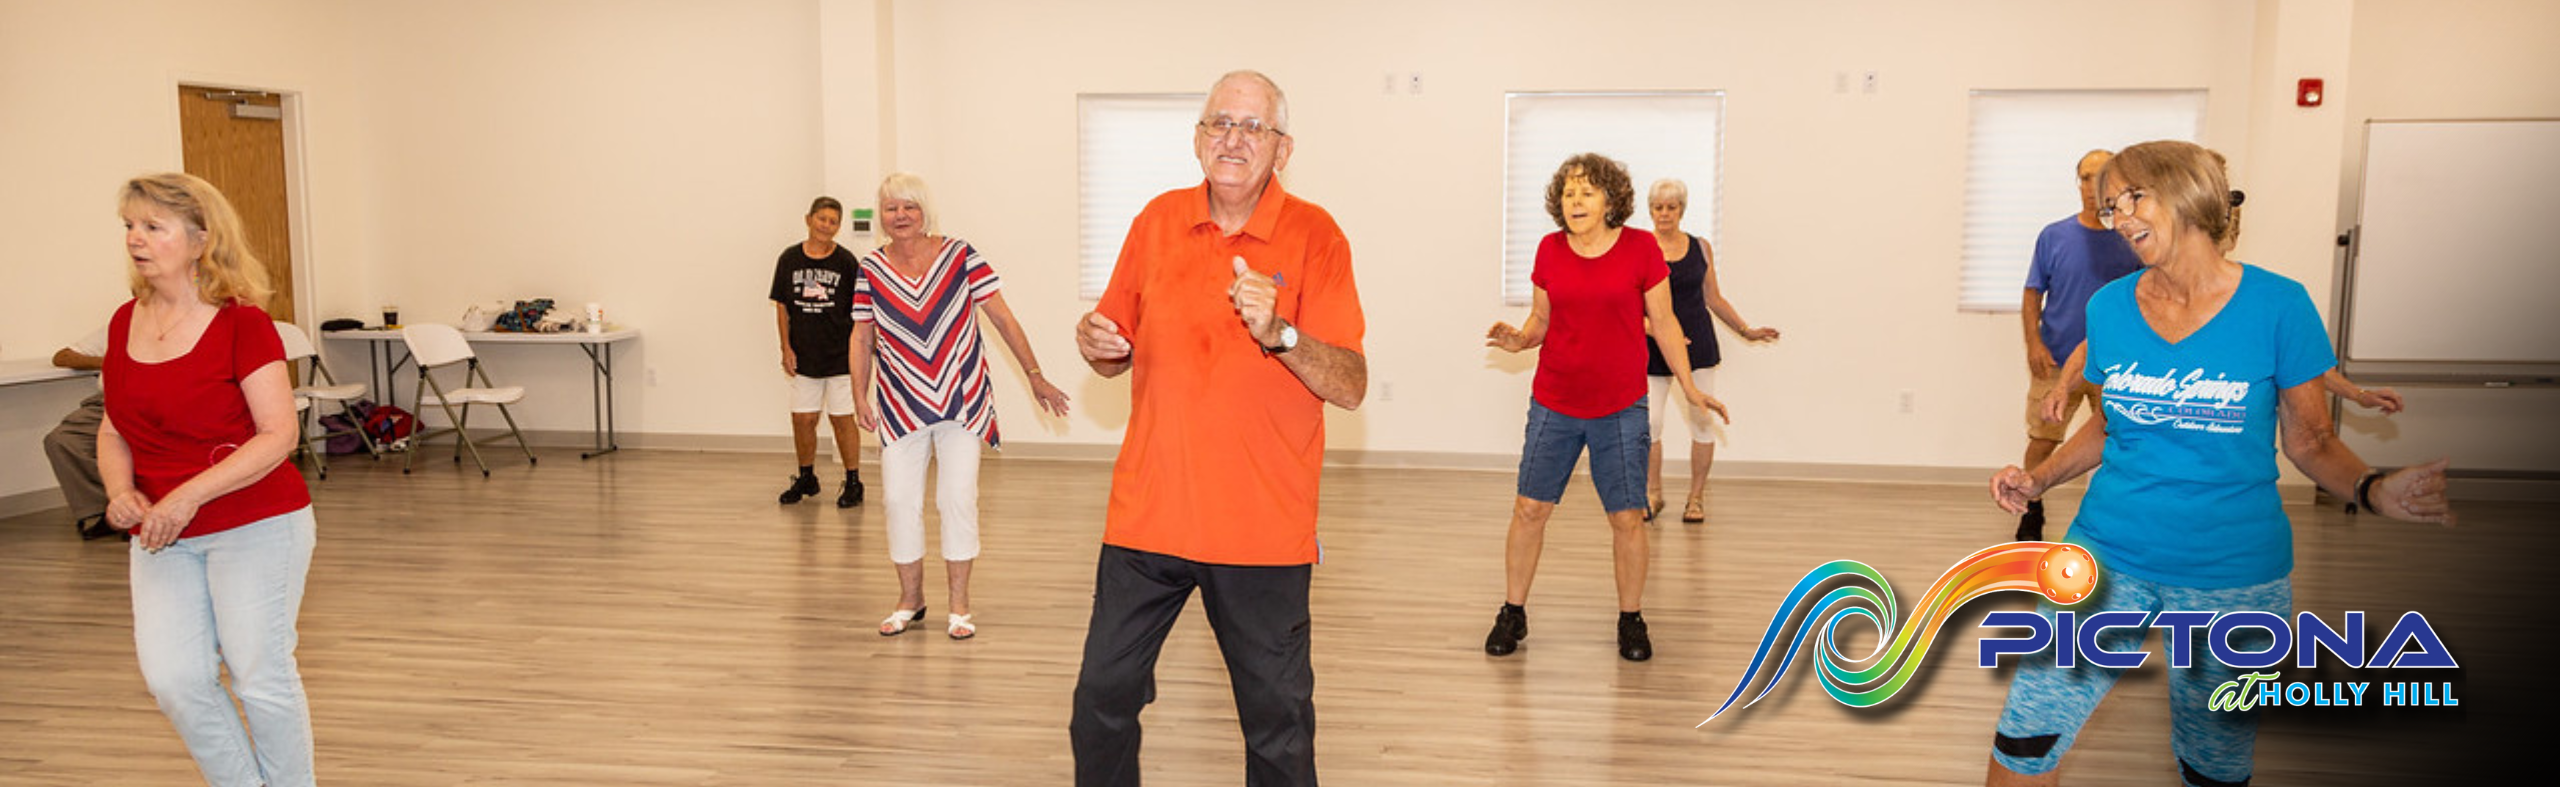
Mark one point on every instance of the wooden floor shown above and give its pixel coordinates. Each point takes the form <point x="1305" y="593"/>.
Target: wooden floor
<point x="654" y="618"/>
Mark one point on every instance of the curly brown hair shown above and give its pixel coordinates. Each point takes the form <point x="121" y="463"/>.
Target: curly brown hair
<point x="1605" y="174"/>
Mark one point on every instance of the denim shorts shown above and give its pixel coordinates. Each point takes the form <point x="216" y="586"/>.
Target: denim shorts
<point x="2048" y="704"/>
<point x="1619" y="443"/>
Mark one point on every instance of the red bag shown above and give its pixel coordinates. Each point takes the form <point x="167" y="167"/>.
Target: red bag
<point x="388" y="425"/>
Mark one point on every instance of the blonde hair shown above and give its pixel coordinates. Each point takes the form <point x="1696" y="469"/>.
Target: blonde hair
<point x="1669" y="187"/>
<point x="228" y="271"/>
<point x="2187" y="178"/>
<point x="908" y="186"/>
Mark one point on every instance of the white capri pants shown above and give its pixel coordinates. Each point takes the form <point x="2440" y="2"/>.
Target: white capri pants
<point x="902" y="468"/>
<point x="1703" y="427"/>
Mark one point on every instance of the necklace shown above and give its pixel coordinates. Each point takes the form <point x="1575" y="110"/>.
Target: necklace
<point x="172" y="326"/>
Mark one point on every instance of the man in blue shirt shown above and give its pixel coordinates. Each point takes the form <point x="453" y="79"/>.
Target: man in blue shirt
<point x="2073" y="258"/>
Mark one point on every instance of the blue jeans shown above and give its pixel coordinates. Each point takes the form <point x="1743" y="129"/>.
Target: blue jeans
<point x="230" y="599"/>
<point x="1620" y="444"/>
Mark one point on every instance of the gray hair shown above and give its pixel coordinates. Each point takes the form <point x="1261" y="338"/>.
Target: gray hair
<point x="1279" y="100"/>
<point x="907" y="186"/>
<point x="1672" y="186"/>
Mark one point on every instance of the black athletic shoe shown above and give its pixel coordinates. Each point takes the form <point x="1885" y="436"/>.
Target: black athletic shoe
<point x="94" y="527"/>
<point x="801" y="487"/>
<point x="852" y="494"/>
<point x="2031" y="523"/>
<point x="1510" y="626"/>
<point x="1633" y="643"/>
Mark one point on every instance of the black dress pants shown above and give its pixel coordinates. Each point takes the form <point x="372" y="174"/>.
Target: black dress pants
<point x="1259" y="614"/>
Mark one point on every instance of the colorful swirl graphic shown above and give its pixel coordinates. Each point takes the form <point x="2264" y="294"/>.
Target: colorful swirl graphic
<point x="2061" y="572"/>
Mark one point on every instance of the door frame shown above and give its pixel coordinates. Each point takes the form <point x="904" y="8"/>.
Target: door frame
<point x="297" y="179"/>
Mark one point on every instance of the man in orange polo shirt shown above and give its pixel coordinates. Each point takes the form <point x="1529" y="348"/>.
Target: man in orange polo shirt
<point x="1233" y="305"/>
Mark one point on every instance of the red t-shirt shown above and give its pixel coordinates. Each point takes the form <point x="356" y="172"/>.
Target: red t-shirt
<point x="1225" y="445"/>
<point x="181" y="416"/>
<point x="1592" y="363"/>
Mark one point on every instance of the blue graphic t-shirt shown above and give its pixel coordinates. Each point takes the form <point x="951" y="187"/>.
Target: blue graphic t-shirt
<point x="2186" y="491"/>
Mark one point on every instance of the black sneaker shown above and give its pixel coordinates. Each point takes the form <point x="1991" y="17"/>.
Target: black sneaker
<point x="1633" y="643"/>
<point x="94" y="527"/>
<point x="1510" y="626"/>
<point x="852" y="494"/>
<point x="801" y="487"/>
<point x="2031" y="523"/>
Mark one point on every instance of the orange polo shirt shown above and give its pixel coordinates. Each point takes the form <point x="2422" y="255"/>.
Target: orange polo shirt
<point x="1224" y="444"/>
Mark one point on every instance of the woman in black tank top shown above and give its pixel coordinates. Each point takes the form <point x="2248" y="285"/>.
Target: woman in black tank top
<point x="1694" y="296"/>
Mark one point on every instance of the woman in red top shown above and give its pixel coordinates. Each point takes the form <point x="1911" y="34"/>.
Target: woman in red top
<point x="1600" y="291"/>
<point x="199" y="421"/>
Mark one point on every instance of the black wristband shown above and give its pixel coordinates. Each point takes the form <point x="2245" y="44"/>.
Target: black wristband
<point x="2364" y="490"/>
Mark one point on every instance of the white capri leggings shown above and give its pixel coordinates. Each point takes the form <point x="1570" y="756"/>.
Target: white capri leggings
<point x="1702" y="424"/>
<point x="902" y="465"/>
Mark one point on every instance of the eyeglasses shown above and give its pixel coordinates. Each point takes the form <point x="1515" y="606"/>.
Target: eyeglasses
<point x="1219" y="127"/>
<point x="2121" y="204"/>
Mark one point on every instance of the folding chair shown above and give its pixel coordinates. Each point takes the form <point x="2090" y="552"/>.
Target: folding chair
<point x="319" y="387"/>
<point x="433" y="345"/>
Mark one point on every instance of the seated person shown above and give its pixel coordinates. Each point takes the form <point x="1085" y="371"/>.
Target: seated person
<point x="73" y="446"/>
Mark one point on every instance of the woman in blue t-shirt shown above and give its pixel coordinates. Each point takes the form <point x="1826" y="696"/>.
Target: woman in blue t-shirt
<point x="2201" y="363"/>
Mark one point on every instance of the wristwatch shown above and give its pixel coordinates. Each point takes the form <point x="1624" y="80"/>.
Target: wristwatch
<point x="1288" y="339"/>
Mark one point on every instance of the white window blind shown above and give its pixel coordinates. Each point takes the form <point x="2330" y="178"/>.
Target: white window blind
<point x="1657" y="135"/>
<point x="2019" y="170"/>
<point x="1129" y="148"/>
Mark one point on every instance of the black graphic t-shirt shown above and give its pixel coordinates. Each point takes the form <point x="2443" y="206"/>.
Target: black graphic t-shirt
<point x="818" y="294"/>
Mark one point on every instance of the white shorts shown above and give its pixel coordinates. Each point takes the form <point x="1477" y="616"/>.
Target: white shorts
<point x="1703" y="426"/>
<point x="835" y="393"/>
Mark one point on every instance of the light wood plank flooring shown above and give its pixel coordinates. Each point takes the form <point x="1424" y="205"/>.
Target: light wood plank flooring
<point x="654" y="618"/>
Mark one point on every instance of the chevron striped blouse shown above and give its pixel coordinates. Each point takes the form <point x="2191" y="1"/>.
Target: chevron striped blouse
<point x="932" y="365"/>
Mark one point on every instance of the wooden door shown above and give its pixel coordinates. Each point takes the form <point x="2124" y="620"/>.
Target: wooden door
<point x="244" y="157"/>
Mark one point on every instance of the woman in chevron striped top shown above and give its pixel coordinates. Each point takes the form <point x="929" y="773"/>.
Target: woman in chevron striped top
<point x="915" y="309"/>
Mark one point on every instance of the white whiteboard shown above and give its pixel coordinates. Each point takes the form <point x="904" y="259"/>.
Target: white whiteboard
<point x="2458" y="243"/>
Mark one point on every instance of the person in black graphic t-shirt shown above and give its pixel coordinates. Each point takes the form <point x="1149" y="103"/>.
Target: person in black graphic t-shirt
<point x="813" y="310"/>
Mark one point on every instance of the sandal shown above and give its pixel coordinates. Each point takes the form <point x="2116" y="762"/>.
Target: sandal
<point x="1652" y="506"/>
<point x="1696" y="512"/>
<point x="961" y="628"/>
<point x="898" y="621"/>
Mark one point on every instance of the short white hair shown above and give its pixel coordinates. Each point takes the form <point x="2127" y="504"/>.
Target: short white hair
<point x="908" y="186"/>
<point x="1670" y="186"/>
<point x="1279" y="100"/>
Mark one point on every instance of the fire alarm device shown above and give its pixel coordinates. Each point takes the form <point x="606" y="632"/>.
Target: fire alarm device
<point x="2307" y="93"/>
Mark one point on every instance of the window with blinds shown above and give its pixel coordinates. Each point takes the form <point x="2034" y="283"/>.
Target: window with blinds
<point x="2020" y="171"/>
<point x="1129" y="148"/>
<point x="1656" y="135"/>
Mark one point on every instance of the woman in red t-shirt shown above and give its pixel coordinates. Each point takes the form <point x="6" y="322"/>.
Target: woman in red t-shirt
<point x="1600" y="291"/>
<point x="199" y="421"/>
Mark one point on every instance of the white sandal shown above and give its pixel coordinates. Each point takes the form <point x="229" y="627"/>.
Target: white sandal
<point x="898" y="621"/>
<point x="961" y="628"/>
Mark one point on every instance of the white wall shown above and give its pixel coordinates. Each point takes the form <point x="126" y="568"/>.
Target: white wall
<point x="1844" y="218"/>
<point x="655" y="155"/>
<point x="650" y="156"/>
<point x="91" y="97"/>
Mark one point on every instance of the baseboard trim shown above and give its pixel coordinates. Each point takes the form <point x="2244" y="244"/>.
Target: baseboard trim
<point x="31" y="502"/>
<point x="2501" y="489"/>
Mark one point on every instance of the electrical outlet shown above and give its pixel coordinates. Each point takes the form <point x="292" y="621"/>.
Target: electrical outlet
<point x="1908" y="402"/>
<point x="1869" y="84"/>
<point x="1386" y="391"/>
<point x="652" y="377"/>
<point x="1414" y="84"/>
